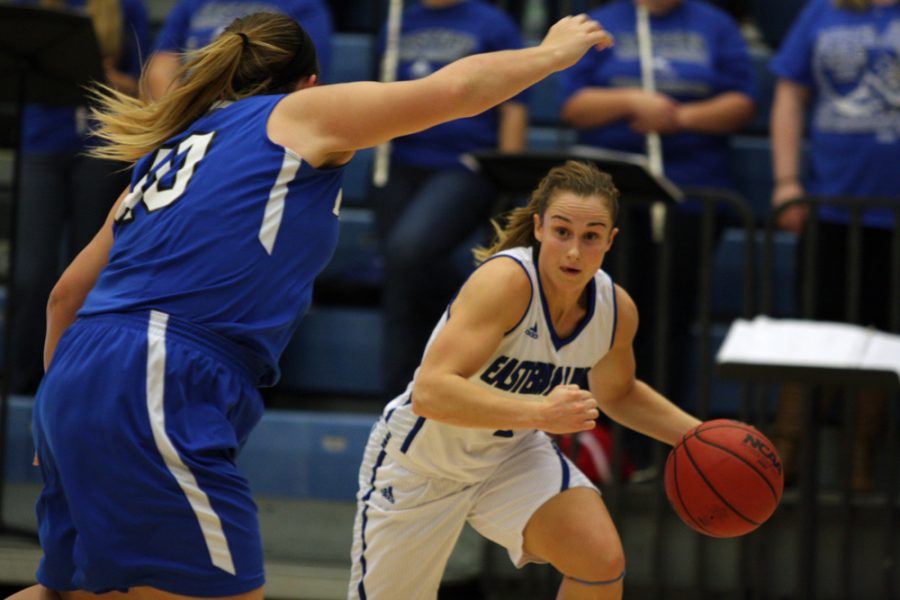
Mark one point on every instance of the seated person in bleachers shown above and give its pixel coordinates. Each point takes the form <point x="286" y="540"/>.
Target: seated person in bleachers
<point x="193" y="24"/>
<point x="64" y="194"/>
<point x="432" y="202"/>
<point x="839" y="65"/>
<point x="705" y="92"/>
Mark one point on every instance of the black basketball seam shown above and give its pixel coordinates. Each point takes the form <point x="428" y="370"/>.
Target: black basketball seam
<point x="745" y="461"/>
<point x="715" y="491"/>
<point x="678" y="492"/>
<point x="697" y="430"/>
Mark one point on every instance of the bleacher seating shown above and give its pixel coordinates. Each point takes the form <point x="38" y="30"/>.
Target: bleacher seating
<point x="728" y="269"/>
<point x="358" y="178"/>
<point x="353" y="58"/>
<point x="550" y="138"/>
<point x="544" y="101"/>
<point x="307" y="454"/>
<point x="336" y="350"/>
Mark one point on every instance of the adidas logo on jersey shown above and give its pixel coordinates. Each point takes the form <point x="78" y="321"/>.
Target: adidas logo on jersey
<point x="532" y="331"/>
<point x="388" y="494"/>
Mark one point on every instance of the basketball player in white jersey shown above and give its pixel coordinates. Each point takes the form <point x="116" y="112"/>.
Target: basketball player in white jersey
<point x="538" y="341"/>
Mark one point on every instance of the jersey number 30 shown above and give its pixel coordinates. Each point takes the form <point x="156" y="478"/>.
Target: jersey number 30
<point x="168" y="176"/>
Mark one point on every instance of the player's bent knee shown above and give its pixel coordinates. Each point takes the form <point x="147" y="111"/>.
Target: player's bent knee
<point x="599" y="582"/>
<point x="600" y="565"/>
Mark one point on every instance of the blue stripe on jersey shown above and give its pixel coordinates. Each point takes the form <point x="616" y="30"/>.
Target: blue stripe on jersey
<point x="559" y="342"/>
<point x="565" y="468"/>
<point x="412" y="434"/>
<point x="612" y="285"/>
<point x="365" y="519"/>
<point x="531" y="295"/>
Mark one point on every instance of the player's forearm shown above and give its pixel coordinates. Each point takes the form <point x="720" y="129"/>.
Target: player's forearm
<point x="61" y="311"/>
<point x="481" y="81"/>
<point x="456" y="401"/>
<point x="643" y="409"/>
<point x="596" y="107"/>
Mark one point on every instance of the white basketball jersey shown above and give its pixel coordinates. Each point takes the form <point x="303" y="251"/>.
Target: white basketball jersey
<point x="530" y="361"/>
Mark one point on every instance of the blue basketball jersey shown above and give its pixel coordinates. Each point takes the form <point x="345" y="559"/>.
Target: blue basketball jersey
<point x="225" y="229"/>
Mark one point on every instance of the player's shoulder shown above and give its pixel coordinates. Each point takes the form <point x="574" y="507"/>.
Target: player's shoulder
<point x="501" y="287"/>
<point x="507" y="270"/>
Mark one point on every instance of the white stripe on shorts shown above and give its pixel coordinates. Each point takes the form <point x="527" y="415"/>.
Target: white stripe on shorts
<point x="210" y="524"/>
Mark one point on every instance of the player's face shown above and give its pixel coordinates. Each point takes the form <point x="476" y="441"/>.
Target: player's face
<point x="575" y="234"/>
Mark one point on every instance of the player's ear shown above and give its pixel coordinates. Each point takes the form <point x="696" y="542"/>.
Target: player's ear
<point x="612" y="236"/>
<point x="538" y="234"/>
<point x="307" y="82"/>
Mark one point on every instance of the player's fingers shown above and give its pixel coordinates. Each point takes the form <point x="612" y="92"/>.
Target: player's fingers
<point x="606" y="40"/>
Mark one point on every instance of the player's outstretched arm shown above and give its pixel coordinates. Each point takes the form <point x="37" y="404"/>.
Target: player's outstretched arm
<point x="627" y="400"/>
<point x="322" y="121"/>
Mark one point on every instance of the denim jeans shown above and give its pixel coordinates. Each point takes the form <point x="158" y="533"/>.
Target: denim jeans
<point x="64" y="199"/>
<point x="425" y="220"/>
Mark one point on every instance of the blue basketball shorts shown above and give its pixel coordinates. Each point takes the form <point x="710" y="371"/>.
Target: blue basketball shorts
<point x="137" y="424"/>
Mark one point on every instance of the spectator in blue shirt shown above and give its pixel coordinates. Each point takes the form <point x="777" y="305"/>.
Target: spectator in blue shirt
<point x="64" y="194"/>
<point x="704" y="92"/>
<point x="432" y="202"/>
<point x="840" y="66"/>
<point x="193" y="24"/>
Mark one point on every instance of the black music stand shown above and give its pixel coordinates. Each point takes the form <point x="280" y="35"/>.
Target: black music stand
<point x="520" y="172"/>
<point x="46" y="57"/>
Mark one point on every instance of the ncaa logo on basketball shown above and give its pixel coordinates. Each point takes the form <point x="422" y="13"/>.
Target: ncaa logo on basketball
<point x="767" y="453"/>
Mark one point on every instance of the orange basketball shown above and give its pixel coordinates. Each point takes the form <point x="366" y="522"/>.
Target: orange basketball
<point x="724" y="478"/>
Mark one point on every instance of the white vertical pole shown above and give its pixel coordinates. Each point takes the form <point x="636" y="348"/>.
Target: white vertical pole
<point x="654" y="145"/>
<point x="388" y="73"/>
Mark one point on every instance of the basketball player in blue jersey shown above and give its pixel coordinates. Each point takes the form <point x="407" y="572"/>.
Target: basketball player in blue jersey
<point x="538" y="341"/>
<point x="161" y="330"/>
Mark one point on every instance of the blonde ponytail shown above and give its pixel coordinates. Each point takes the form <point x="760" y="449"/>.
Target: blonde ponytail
<point x="261" y="53"/>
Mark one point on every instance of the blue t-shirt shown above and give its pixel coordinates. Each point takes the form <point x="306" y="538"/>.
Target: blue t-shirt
<point x="698" y="53"/>
<point x="850" y="62"/>
<point x="431" y="38"/>
<point x="193" y="24"/>
<point x="48" y="128"/>
<point x="228" y="231"/>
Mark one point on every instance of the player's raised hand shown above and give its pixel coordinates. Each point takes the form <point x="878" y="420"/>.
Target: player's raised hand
<point x="568" y="409"/>
<point x="571" y="37"/>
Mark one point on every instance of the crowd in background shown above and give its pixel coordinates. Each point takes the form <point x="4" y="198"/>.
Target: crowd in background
<point x="837" y="73"/>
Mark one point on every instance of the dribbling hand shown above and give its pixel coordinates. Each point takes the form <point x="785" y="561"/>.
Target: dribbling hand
<point x="571" y="37"/>
<point x="569" y="409"/>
